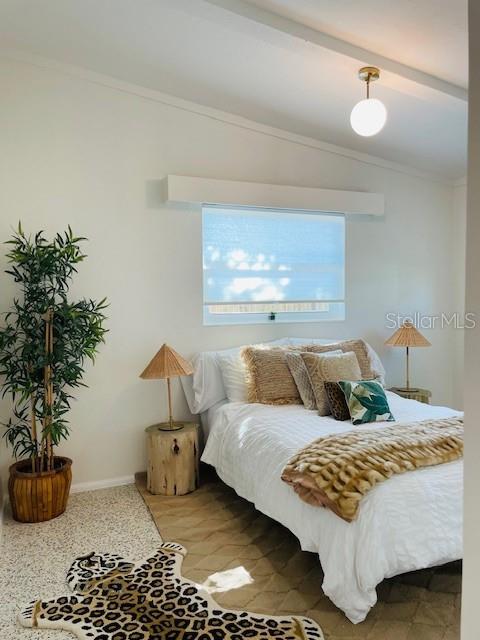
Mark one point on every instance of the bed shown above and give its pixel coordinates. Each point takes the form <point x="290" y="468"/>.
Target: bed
<point x="409" y="522"/>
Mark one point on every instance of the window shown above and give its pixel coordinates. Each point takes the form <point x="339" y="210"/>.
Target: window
<point x="263" y="266"/>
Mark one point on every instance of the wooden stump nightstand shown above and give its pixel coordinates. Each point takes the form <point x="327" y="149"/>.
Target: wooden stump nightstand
<point x="422" y="395"/>
<point x="172" y="458"/>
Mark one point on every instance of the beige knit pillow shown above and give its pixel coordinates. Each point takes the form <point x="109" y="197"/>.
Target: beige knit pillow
<point x="331" y="368"/>
<point x="269" y="379"/>
<point x="359" y="348"/>
<point x="299" y="371"/>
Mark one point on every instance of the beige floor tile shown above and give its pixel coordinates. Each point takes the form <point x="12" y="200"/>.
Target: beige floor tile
<point x="311" y="585"/>
<point x="328" y="620"/>
<point x="265" y="567"/>
<point x="298" y="602"/>
<point x="236" y="598"/>
<point x="400" y="611"/>
<point x="404" y="593"/>
<point x="389" y="630"/>
<point x="267" y="602"/>
<point x="191" y="560"/>
<point x="213" y="562"/>
<point x="347" y="629"/>
<point x="251" y="551"/>
<point x="197" y="575"/>
<point x="452" y="633"/>
<point x="417" y="578"/>
<point x="426" y="632"/>
<point x="204" y="547"/>
<point x="278" y="583"/>
<point x="427" y="613"/>
<point x="440" y="599"/>
<point x="383" y="590"/>
<point x="448" y="583"/>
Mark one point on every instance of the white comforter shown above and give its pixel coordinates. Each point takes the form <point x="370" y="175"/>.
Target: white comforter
<point x="409" y="522"/>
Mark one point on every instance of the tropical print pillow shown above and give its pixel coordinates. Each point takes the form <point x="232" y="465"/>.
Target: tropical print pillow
<point x="366" y="401"/>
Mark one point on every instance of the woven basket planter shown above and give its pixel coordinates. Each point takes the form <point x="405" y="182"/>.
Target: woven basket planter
<point x="36" y="497"/>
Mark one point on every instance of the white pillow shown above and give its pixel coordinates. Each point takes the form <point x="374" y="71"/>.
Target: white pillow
<point x="294" y="341"/>
<point x="205" y="388"/>
<point x="376" y="364"/>
<point x="234" y="375"/>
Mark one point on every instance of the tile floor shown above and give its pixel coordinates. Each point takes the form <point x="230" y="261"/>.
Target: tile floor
<point x="249" y="561"/>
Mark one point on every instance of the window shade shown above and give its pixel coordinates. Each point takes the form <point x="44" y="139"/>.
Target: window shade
<point x="262" y="256"/>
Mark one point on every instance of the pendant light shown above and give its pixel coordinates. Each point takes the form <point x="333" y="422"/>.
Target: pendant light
<point x="368" y="116"/>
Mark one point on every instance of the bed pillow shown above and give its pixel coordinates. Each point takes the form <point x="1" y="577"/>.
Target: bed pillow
<point x="205" y="387"/>
<point x="299" y="372"/>
<point x="295" y="342"/>
<point x="234" y="376"/>
<point x="269" y="379"/>
<point x="366" y="401"/>
<point x="329" y="368"/>
<point x="336" y="401"/>
<point x="362" y="349"/>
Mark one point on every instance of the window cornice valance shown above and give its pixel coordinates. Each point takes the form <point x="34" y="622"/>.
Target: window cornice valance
<point x="204" y="191"/>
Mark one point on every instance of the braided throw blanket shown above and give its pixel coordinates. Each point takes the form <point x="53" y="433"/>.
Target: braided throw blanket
<point x="338" y="470"/>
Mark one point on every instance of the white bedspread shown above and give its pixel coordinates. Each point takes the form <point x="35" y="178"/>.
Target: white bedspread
<point x="411" y="521"/>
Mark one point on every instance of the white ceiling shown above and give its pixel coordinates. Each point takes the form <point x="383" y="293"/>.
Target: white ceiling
<point x="229" y="59"/>
<point x="430" y="35"/>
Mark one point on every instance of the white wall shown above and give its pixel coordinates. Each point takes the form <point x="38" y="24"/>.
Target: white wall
<point x="75" y="152"/>
<point x="459" y="221"/>
<point x="471" y="564"/>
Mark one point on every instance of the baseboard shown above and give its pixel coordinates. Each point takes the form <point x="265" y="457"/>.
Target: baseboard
<point x="79" y="487"/>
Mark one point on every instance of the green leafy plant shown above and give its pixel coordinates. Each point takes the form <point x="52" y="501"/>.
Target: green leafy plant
<point x="45" y="342"/>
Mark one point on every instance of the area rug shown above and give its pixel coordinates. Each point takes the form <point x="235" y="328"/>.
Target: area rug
<point x="114" y="599"/>
<point x="248" y="561"/>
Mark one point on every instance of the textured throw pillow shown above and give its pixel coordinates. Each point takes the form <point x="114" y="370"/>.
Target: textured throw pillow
<point x="359" y="348"/>
<point x="299" y="372"/>
<point x="336" y="401"/>
<point x="366" y="401"/>
<point x="329" y="368"/>
<point x="269" y="380"/>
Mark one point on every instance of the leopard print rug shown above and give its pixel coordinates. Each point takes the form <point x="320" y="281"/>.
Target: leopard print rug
<point x="114" y="599"/>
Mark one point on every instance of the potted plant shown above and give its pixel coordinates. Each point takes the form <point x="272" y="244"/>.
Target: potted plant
<point x="44" y="344"/>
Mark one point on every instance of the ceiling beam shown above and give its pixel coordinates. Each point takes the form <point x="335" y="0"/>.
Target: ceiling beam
<point x="297" y="30"/>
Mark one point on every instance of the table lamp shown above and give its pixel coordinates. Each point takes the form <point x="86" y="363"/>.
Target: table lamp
<point x="407" y="336"/>
<point x="167" y="364"/>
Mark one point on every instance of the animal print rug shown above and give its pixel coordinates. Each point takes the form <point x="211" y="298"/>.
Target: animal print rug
<point x="114" y="599"/>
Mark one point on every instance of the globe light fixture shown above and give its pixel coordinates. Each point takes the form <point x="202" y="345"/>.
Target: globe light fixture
<point x="368" y="116"/>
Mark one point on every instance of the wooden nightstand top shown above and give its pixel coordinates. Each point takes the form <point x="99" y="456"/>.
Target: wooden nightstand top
<point x="421" y="395"/>
<point x="163" y="427"/>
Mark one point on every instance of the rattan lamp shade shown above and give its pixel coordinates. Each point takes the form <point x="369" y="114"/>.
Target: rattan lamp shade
<point x="166" y="363"/>
<point x="407" y="336"/>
